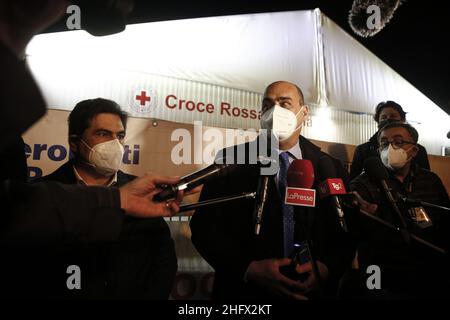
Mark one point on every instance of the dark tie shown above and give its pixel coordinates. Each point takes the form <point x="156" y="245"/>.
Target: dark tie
<point x="287" y="210"/>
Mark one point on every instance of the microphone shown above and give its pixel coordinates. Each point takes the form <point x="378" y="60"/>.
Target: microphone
<point x="104" y="17"/>
<point x="261" y="198"/>
<point x="363" y="19"/>
<point x="263" y="182"/>
<point x="332" y="186"/>
<point x="300" y="179"/>
<point x="192" y="180"/>
<point x="378" y="174"/>
<point x="420" y="202"/>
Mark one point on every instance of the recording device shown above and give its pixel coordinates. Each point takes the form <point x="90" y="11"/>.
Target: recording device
<point x="332" y="187"/>
<point x="299" y="256"/>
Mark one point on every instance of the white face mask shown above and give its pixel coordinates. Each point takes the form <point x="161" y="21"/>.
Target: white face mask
<point x="281" y="121"/>
<point x="394" y="159"/>
<point x="106" y="157"/>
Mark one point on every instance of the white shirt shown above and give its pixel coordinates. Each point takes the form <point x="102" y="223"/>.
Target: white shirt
<point x="294" y="153"/>
<point x="81" y="181"/>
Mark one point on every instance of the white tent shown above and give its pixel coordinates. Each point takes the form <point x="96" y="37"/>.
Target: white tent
<point x="215" y="69"/>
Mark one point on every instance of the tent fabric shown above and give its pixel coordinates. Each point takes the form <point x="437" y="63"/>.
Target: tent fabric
<point x="227" y="62"/>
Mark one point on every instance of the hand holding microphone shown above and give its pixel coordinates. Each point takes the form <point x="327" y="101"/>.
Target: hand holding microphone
<point x="193" y="180"/>
<point x="363" y="204"/>
<point x="137" y="197"/>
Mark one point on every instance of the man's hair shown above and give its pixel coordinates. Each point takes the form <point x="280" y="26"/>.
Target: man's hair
<point x="388" y="104"/>
<point x="300" y="93"/>
<point x="412" y="131"/>
<point x="81" y="116"/>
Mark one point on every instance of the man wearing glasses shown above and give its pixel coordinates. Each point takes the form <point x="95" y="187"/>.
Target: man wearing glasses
<point x="407" y="270"/>
<point x="385" y="113"/>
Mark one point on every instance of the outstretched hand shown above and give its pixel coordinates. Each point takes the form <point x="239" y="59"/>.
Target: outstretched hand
<point x="136" y="197"/>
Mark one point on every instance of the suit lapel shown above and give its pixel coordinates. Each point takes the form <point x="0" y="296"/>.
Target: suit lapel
<point x="64" y="174"/>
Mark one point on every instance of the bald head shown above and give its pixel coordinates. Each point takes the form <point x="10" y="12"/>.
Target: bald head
<point x="287" y="83"/>
<point x="283" y="93"/>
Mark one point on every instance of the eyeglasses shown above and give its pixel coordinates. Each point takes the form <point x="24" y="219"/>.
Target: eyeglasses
<point x="396" y="143"/>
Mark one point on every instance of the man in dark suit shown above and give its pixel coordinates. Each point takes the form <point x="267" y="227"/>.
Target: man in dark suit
<point x="247" y="265"/>
<point x="409" y="269"/>
<point x="142" y="263"/>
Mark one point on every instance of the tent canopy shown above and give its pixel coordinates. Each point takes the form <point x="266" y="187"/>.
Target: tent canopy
<point x="223" y="61"/>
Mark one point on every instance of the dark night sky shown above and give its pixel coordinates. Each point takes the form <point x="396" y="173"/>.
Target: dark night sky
<point x="414" y="43"/>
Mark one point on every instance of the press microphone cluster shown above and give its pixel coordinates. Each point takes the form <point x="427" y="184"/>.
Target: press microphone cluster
<point x="378" y="174"/>
<point x="300" y="178"/>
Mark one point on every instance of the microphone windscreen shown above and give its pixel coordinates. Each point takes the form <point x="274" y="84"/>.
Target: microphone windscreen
<point x="361" y="20"/>
<point x="104" y="17"/>
<point x="326" y="168"/>
<point x="375" y="169"/>
<point x="300" y="174"/>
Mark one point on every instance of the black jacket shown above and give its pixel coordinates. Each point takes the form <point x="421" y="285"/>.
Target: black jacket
<point x="13" y="162"/>
<point x="43" y="213"/>
<point x="370" y="149"/>
<point x="407" y="270"/>
<point x="140" y="264"/>
<point x="224" y="234"/>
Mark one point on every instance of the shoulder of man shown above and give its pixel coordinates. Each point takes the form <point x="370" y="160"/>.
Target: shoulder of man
<point x="123" y="178"/>
<point x="427" y="174"/>
<point x="63" y="174"/>
<point x="364" y="147"/>
<point x="314" y="153"/>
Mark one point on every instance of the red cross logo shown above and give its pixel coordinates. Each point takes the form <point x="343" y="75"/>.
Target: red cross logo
<point x="143" y="98"/>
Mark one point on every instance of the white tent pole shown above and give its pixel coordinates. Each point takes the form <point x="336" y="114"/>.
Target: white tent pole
<point x="320" y="58"/>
